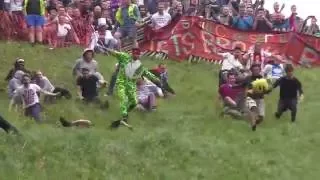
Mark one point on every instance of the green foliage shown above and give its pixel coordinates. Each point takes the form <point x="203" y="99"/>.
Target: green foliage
<point x="184" y="139"/>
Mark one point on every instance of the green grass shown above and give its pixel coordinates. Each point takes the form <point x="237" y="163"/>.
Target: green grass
<point x="184" y="139"/>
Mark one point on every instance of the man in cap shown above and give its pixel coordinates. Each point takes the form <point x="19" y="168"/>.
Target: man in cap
<point x="130" y="70"/>
<point x="18" y="65"/>
<point x="87" y="62"/>
<point x="102" y="38"/>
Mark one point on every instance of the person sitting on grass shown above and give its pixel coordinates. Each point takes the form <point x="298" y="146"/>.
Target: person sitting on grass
<point x="87" y="88"/>
<point x="18" y="65"/>
<point x="146" y="98"/>
<point x="28" y="93"/>
<point x="87" y="62"/>
<point x="46" y="85"/>
<point x="236" y="103"/>
<point x="290" y="91"/>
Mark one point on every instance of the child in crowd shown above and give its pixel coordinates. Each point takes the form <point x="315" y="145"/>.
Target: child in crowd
<point x="290" y="90"/>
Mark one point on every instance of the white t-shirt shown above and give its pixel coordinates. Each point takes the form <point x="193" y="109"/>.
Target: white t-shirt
<point x="140" y="2"/>
<point x="159" y="21"/>
<point x="273" y="71"/>
<point x="63" y="29"/>
<point x="230" y="62"/>
<point x="29" y="95"/>
<point x="15" y="5"/>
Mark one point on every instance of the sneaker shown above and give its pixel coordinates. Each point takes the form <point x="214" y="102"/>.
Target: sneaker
<point x="124" y="122"/>
<point x="115" y="124"/>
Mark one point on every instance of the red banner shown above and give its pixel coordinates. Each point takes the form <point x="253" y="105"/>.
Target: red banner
<point x="195" y="36"/>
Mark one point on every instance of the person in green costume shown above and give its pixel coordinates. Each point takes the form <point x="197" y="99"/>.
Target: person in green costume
<point x="130" y="70"/>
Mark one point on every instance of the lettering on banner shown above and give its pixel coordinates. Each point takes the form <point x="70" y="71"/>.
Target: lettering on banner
<point x="220" y="31"/>
<point x="308" y="57"/>
<point x="208" y="42"/>
<point x="182" y="44"/>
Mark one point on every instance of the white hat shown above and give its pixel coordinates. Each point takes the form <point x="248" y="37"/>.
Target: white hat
<point x="102" y="22"/>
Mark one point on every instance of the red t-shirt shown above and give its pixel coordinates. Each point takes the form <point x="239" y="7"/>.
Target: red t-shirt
<point x="226" y="90"/>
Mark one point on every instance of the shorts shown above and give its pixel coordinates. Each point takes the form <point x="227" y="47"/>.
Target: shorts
<point x="261" y="107"/>
<point x="130" y="32"/>
<point x="250" y="103"/>
<point x="35" y="20"/>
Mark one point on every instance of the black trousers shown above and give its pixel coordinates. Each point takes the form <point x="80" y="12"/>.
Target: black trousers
<point x="6" y="126"/>
<point x="288" y="104"/>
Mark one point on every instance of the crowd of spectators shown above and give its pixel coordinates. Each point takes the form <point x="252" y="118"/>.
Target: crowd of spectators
<point x="102" y="24"/>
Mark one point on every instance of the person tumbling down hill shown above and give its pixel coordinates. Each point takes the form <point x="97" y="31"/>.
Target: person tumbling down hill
<point x="28" y="93"/>
<point x="130" y="70"/>
<point x="146" y="98"/>
<point x="236" y="103"/>
<point x="161" y="72"/>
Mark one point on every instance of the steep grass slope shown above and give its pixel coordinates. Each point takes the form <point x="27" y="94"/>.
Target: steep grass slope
<point x="184" y="139"/>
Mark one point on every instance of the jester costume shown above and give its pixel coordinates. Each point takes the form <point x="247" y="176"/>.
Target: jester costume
<point x="130" y="70"/>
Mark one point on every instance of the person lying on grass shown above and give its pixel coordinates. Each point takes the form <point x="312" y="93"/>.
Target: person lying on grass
<point x="146" y="98"/>
<point x="28" y="93"/>
<point x="236" y="103"/>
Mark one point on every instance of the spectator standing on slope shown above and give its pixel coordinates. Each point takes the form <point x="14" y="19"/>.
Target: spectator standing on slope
<point x="127" y="16"/>
<point x="242" y="21"/>
<point x="35" y="11"/>
<point x="160" y="19"/>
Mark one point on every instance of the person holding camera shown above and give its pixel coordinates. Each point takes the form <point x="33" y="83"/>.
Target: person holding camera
<point x="261" y="22"/>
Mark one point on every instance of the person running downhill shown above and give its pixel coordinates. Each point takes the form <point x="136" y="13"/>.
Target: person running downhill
<point x="130" y="70"/>
<point x="290" y="90"/>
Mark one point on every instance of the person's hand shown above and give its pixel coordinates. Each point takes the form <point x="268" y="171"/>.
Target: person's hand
<point x="301" y="98"/>
<point x="81" y="97"/>
<point x="57" y="94"/>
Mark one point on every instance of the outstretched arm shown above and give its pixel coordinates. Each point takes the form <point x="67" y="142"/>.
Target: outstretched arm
<point x="122" y="57"/>
<point x="150" y="76"/>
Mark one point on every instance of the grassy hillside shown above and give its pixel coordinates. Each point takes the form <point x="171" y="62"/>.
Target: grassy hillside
<point x="184" y="139"/>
